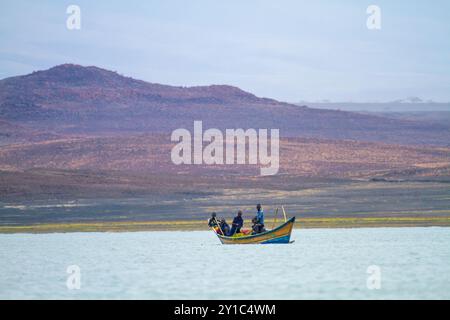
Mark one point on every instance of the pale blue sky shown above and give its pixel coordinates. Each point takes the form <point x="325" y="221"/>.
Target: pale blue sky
<point x="288" y="50"/>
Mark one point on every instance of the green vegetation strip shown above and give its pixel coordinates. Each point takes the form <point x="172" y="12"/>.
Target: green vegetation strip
<point x="123" y="226"/>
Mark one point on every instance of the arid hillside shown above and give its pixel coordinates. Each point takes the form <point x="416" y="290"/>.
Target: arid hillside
<point x="150" y="154"/>
<point x="71" y="99"/>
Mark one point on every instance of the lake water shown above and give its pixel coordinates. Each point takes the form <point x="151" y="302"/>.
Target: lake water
<point x="321" y="264"/>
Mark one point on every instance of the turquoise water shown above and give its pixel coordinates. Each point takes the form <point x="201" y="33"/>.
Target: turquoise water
<point x="321" y="264"/>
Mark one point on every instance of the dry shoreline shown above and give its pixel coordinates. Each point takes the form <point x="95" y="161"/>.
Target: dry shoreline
<point x="191" y="225"/>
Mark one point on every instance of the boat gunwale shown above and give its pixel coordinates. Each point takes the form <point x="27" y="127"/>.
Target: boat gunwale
<point x="291" y="220"/>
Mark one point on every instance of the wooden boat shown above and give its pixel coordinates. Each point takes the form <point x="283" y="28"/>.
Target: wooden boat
<point x="280" y="234"/>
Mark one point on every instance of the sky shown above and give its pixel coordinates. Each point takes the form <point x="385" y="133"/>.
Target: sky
<point x="287" y="50"/>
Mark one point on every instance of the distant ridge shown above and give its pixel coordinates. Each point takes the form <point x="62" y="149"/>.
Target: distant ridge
<point x="73" y="99"/>
<point x="91" y="77"/>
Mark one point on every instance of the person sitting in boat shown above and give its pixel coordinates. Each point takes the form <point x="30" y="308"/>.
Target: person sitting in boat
<point x="212" y="222"/>
<point x="224" y="227"/>
<point x="256" y="227"/>
<point x="237" y="224"/>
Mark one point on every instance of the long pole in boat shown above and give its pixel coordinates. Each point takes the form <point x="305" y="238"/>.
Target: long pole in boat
<point x="274" y="221"/>
<point x="284" y="213"/>
<point x="218" y="224"/>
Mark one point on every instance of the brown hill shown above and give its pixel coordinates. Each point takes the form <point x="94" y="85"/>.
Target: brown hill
<point x="89" y="100"/>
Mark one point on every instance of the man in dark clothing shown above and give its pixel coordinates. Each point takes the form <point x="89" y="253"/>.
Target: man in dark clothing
<point x="212" y="222"/>
<point x="224" y="227"/>
<point x="237" y="224"/>
<point x="256" y="226"/>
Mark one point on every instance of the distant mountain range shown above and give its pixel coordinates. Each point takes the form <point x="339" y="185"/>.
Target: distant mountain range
<point x="77" y="100"/>
<point x="405" y="106"/>
<point x="408" y="100"/>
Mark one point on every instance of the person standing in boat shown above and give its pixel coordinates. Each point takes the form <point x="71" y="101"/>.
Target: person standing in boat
<point x="260" y="214"/>
<point x="237" y="224"/>
<point x="258" y="221"/>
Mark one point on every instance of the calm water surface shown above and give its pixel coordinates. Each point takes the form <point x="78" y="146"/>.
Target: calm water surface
<point x="321" y="264"/>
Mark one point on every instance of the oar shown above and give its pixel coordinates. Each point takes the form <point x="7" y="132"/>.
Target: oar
<point x="218" y="224"/>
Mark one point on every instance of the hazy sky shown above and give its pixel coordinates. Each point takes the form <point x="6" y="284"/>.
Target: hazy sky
<point x="288" y="50"/>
